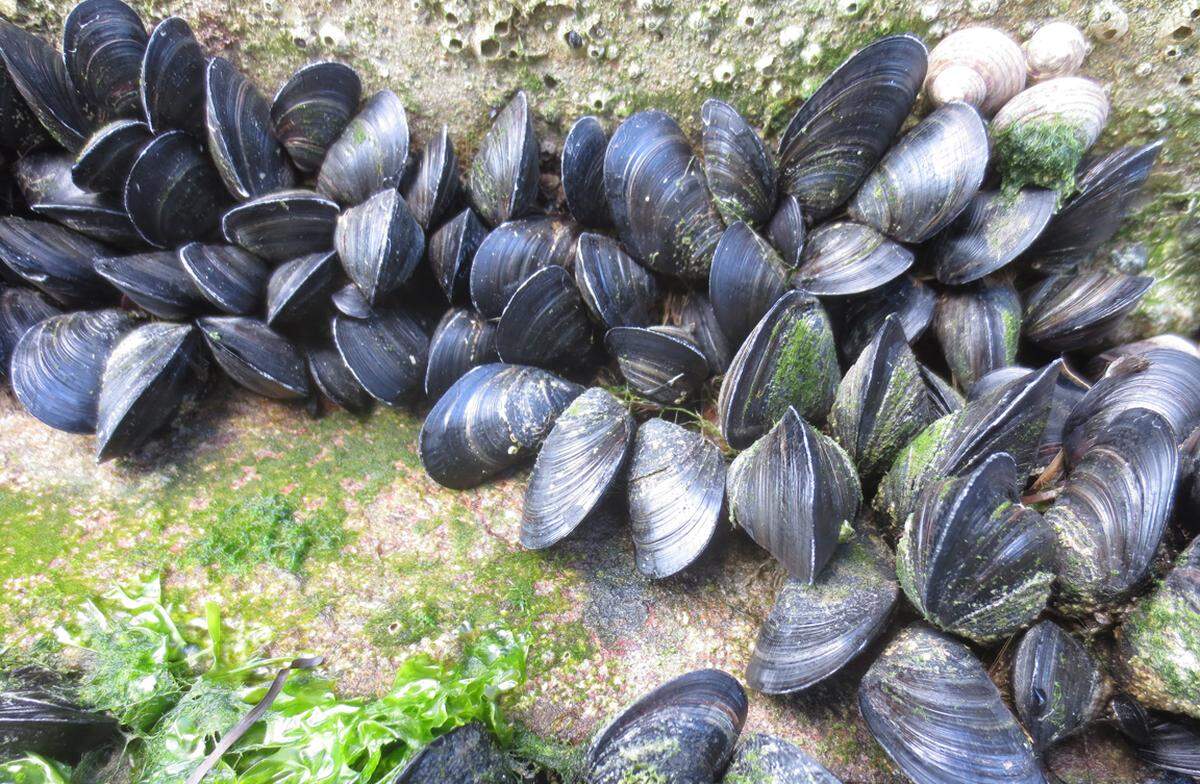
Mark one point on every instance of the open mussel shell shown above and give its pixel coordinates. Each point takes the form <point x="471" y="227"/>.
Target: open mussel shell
<point x="583" y="173"/>
<point x="54" y="259"/>
<point x="787" y="231"/>
<point x="696" y="315"/>
<point x="230" y="278"/>
<point x="312" y="109"/>
<point x="1107" y="188"/>
<point x="663" y="364"/>
<point x="615" y="288"/>
<point x="301" y="287"/>
<point x="156" y="282"/>
<point x="788" y="361"/>
<point x="765" y="759"/>
<point x="282" y="225"/>
<point x="1057" y="686"/>
<point x="994" y="229"/>
<point x="1111" y="515"/>
<point x="928" y="178"/>
<point x="1010" y="419"/>
<point x="909" y="299"/>
<point x="844" y="257"/>
<point x="173" y="193"/>
<point x="545" y="322"/>
<point x="512" y="252"/>
<point x="791" y="491"/>
<point x="20" y="309"/>
<point x="386" y="352"/>
<point x="172" y="82"/>
<point x="57" y="365"/>
<point x="462" y="340"/>
<point x="740" y="174"/>
<point x="103" y="45"/>
<point x="237" y="122"/>
<point x="838" y="135"/>
<point x="932" y="707"/>
<point x="882" y="403"/>
<point x="256" y="356"/>
<point x="578" y="463"/>
<point x="105" y="159"/>
<point x="675" y="487"/>
<point x="334" y="379"/>
<point x="972" y="559"/>
<point x="658" y="197"/>
<point x="464" y="755"/>
<point x="146" y="380"/>
<point x="435" y="187"/>
<point x="683" y="731"/>
<point x="747" y="277"/>
<point x="38" y="73"/>
<point x="450" y="250"/>
<point x="503" y="178"/>
<point x="379" y="243"/>
<point x="370" y="154"/>
<point x="978" y="327"/>
<point x="491" y="419"/>
<point x="813" y="631"/>
<point x="1073" y="312"/>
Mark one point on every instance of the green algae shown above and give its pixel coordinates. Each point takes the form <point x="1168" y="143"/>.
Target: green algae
<point x="265" y="530"/>
<point x="1039" y="153"/>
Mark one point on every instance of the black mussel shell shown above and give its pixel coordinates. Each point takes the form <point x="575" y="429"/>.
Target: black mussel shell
<point x="46" y="176"/>
<point x="747" y="277"/>
<point x="349" y="301"/>
<point x="1068" y="391"/>
<point x="491" y="419"/>
<point x="740" y="174"/>
<point x="105" y="159"/>
<point x="512" y="252"/>
<point x="20" y="129"/>
<point x="57" y="365"/>
<point x="1172" y="743"/>
<point x="683" y="731"/>
<point x="173" y="193"/>
<point x="172" y="84"/>
<point x="943" y="397"/>
<point x="156" y="282"/>
<point x="146" y="380"/>
<point x="38" y="73"/>
<point x="907" y="297"/>
<point x="46" y="183"/>
<point x="545" y="322"/>
<point x="283" y="225"/>
<point x="237" y="123"/>
<point x="232" y="279"/>
<point x="312" y="109"/>
<point x="462" y="340"/>
<point x="435" y="187"/>
<point x="1074" y="312"/>
<point x="788" y="361"/>
<point x="840" y="133"/>
<point x="791" y="491"/>
<point x="583" y="173"/>
<point x="465" y="755"/>
<point x="978" y="327"/>
<point x="54" y="259"/>
<point x="578" y="463"/>
<point x="658" y="197"/>
<point x="386" y="352"/>
<point x="503" y="178"/>
<point x="1057" y="686"/>
<point x="765" y="759"/>
<point x="813" y="631"/>
<point x="663" y="364"/>
<point x="300" y="288"/>
<point x="675" y="486"/>
<point x="256" y="356"/>
<point x="334" y="379"/>
<point x="615" y="288"/>
<point x="20" y="309"/>
<point x="932" y="707"/>
<point x="380" y="244"/>
<point x="1102" y="361"/>
<point x="103" y="45"/>
<point x="994" y="229"/>
<point x="370" y="154"/>
<point x="696" y="315"/>
<point x="844" y="257"/>
<point x="451" y="249"/>
<point x="38" y="719"/>
<point x="972" y="559"/>
<point x="787" y="231"/>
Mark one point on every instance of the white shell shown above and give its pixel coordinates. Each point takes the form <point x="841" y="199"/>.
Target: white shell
<point x="1069" y="100"/>
<point x="1056" y="49"/>
<point x="996" y="59"/>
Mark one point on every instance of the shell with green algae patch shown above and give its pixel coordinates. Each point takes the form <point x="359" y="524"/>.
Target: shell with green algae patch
<point x="978" y="327"/>
<point x="465" y="754"/>
<point x="765" y="759"/>
<point x="1058" y="688"/>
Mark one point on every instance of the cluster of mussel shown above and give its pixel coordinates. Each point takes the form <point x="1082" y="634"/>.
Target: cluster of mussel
<point x="158" y="188"/>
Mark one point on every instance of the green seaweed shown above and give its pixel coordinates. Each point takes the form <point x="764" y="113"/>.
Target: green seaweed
<point x="1039" y="153"/>
<point x="265" y="530"/>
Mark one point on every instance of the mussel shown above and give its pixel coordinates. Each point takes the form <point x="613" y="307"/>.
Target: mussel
<point x="103" y="45"/>
<point x="450" y="250"/>
<point x="106" y="157"/>
<point x="386" y="351"/>
<point x="155" y="281"/>
<point x="583" y="172"/>
<point x="435" y="186"/>
<point x="696" y="315"/>
<point x="462" y="340"/>
<point x="20" y="309"/>
<point x="282" y="225"/>
<point x="512" y="252"/>
<point x="615" y="288"/>
<point x="747" y="277"/>
<point x="907" y="297"/>
<point x="993" y="230"/>
<point x="545" y="322"/>
<point x="369" y="155"/>
<point x="256" y="356"/>
<point x="241" y="140"/>
<point x="1073" y="312"/>
<point x="464" y="755"/>
<point x="40" y="76"/>
<point x="172" y="80"/>
<point x="312" y="109"/>
<point x="334" y="380"/>
<point x="844" y="257"/>
<point x="503" y="178"/>
<point x="380" y="244"/>
<point x="173" y="194"/>
<point x="740" y="174"/>
<point x="231" y="279"/>
<point x="299" y="288"/>
<point x="978" y="327"/>
<point x="765" y="759"/>
<point x="663" y="364"/>
<point x="1058" y="687"/>
<point x="787" y="231"/>
<point x="56" y="260"/>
